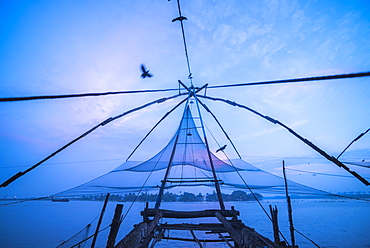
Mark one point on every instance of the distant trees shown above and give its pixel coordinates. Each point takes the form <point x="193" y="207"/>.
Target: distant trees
<point x="237" y="195"/>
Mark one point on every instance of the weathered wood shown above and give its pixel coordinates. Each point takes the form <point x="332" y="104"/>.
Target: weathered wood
<point x="275" y="224"/>
<point x="200" y="240"/>
<point x="141" y="235"/>
<point x="116" y="222"/>
<point x="290" y="213"/>
<point x="133" y="238"/>
<point x="196" y="239"/>
<point x="247" y="237"/>
<point x="252" y="239"/>
<point x="189" y="214"/>
<point x="232" y="232"/>
<point x="213" y="227"/>
<point x="150" y="231"/>
<point x="99" y="221"/>
<point x="226" y="240"/>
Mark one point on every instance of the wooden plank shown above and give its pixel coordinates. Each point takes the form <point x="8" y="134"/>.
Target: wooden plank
<point x="200" y="240"/>
<point x="196" y="239"/>
<point x="189" y="214"/>
<point x="200" y="227"/>
<point x="247" y="237"/>
<point x="116" y="222"/>
<point x="141" y="235"/>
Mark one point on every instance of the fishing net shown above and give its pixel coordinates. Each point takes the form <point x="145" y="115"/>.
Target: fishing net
<point x="190" y="165"/>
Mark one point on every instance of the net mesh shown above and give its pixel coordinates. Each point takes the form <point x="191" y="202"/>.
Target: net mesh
<point x="187" y="157"/>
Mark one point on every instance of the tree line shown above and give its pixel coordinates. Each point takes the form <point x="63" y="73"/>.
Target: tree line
<point x="237" y="195"/>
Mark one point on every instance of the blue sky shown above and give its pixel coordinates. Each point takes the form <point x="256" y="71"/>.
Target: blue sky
<point x="61" y="47"/>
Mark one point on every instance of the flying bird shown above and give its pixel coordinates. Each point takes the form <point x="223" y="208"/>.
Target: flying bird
<point x="180" y="18"/>
<point x="145" y="73"/>
<point x="221" y="148"/>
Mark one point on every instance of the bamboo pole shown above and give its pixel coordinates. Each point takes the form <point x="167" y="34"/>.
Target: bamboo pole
<point x="100" y="220"/>
<point x="275" y="224"/>
<point x="116" y="222"/>
<point x="290" y="212"/>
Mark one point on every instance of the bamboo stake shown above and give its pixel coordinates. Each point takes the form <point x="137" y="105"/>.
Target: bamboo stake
<point x="116" y="222"/>
<point x="290" y="215"/>
<point x="99" y="222"/>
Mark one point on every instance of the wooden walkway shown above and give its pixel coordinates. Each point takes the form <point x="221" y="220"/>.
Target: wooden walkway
<point x="230" y="231"/>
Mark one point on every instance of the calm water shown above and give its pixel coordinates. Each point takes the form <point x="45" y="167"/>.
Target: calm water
<point x="44" y="224"/>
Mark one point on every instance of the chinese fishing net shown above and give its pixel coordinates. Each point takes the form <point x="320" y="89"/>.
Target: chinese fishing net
<point x="188" y="163"/>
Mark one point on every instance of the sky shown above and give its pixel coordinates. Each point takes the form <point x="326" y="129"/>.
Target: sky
<point x="70" y="47"/>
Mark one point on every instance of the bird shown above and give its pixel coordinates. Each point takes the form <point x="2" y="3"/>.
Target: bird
<point x="145" y="73"/>
<point x="221" y="148"/>
<point x="180" y="18"/>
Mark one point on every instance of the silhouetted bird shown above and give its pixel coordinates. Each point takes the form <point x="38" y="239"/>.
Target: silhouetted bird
<point x="221" y="148"/>
<point x="145" y="72"/>
<point x="180" y="18"/>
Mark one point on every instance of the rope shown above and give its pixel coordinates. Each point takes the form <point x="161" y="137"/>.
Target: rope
<point x="164" y="117"/>
<point x="84" y="240"/>
<point x="357" y="138"/>
<point x="307" y="142"/>
<point x="26" y="200"/>
<point x="307" y="238"/>
<point x="128" y="210"/>
<point x="219" y="124"/>
<point x="296" y="80"/>
<point x="319" y="173"/>
<point x="19" y="174"/>
<point x="28" y="98"/>
<point x="85" y="228"/>
<point x="181" y="18"/>
<point x="245" y="183"/>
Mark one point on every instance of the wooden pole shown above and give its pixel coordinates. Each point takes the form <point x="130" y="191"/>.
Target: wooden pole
<point x="290" y="215"/>
<point x="99" y="222"/>
<point x="275" y="224"/>
<point x="217" y="185"/>
<point x="116" y="222"/>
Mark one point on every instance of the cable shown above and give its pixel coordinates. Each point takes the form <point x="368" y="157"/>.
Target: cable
<point x="164" y="117"/>
<point x="181" y="19"/>
<point x="19" y="174"/>
<point x="318" y="173"/>
<point x="306" y="141"/>
<point x="296" y="80"/>
<point x="219" y="124"/>
<point x="307" y="238"/>
<point x="357" y="138"/>
<point x="89" y="237"/>
<point x="237" y="171"/>
<point x="28" y="98"/>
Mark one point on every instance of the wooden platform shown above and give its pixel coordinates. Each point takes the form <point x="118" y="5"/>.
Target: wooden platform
<point x="230" y="231"/>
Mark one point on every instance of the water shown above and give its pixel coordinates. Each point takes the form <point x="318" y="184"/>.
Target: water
<point x="44" y="224"/>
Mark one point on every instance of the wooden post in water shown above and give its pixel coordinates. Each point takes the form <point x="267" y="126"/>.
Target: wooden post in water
<point x="99" y="222"/>
<point x="290" y="215"/>
<point x="116" y="222"/>
<point x="275" y="224"/>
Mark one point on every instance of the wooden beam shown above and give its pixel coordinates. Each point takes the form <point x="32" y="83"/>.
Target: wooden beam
<point x="116" y="222"/>
<point x="140" y="235"/>
<point x="213" y="227"/>
<point x="196" y="239"/>
<point x="100" y="220"/>
<point x="189" y="214"/>
<point x="247" y="237"/>
<point x="192" y="240"/>
<point x="275" y="224"/>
